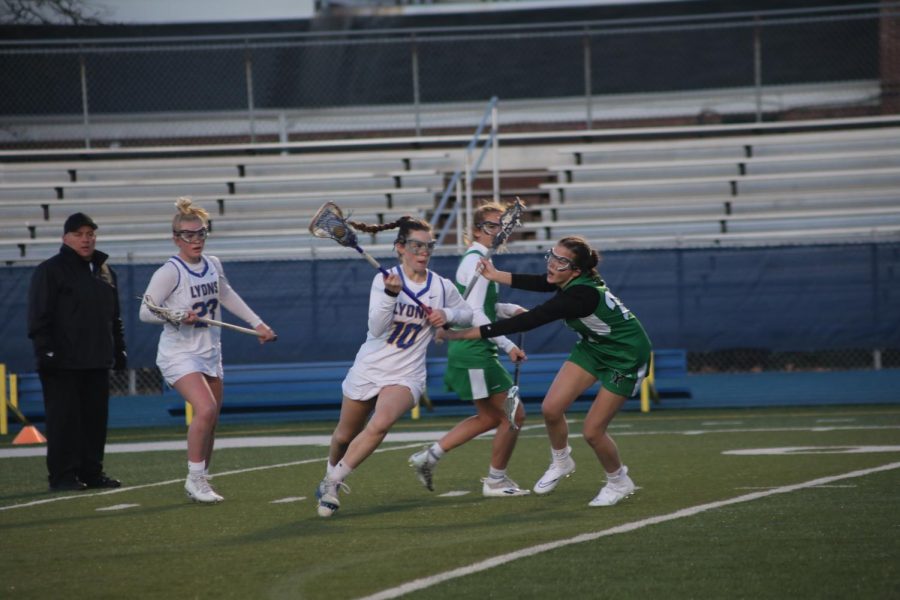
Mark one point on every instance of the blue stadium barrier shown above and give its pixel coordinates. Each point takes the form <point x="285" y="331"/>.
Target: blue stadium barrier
<point x="317" y="385"/>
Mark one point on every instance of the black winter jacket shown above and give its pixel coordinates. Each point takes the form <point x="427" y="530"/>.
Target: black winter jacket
<point x="73" y="313"/>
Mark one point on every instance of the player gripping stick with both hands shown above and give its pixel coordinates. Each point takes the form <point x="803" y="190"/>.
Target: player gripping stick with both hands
<point x="193" y="284"/>
<point x="388" y="375"/>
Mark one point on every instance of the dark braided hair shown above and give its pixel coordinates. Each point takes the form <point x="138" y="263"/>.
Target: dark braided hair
<point x="586" y="258"/>
<point x="405" y="224"/>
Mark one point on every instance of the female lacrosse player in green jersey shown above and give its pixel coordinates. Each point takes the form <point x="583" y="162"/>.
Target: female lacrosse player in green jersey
<point x="474" y="372"/>
<point x="614" y="349"/>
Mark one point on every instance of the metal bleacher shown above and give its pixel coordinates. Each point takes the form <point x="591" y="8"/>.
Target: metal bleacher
<point x="779" y="188"/>
<point x="268" y="199"/>
<point x="708" y="186"/>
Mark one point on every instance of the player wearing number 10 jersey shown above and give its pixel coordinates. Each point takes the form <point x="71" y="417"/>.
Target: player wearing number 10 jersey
<point x="388" y="376"/>
<point x="190" y="355"/>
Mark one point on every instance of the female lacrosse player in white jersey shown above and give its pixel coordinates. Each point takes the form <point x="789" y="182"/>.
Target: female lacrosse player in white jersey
<point x="474" y="372"/>
<point x="388" y="376"/>
<point x="190" y="355"/>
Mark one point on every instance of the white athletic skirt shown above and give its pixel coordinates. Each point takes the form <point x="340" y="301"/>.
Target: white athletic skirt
<point x="175" y="367"/>
<point x="360" y="388"/>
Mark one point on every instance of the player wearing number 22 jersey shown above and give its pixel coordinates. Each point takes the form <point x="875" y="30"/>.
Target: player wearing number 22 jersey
<point x="399" y="333"/>
<point x="204" y="289"/>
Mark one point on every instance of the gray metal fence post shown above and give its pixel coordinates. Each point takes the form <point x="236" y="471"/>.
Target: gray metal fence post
<point x="415" y="82"/>
<point x="495" y="153"/>
<point x="757" y="70"/>
<point x="587" y="79"/>
<point x="248" y="71"/>
<point x="84" y="102"/>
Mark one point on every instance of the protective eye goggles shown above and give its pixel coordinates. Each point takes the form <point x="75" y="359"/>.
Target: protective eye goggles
<point x="561" y="262"/>
<point x="191" y="235"/>
<point x="418" y="248"/>
<point x="489" y="226"/>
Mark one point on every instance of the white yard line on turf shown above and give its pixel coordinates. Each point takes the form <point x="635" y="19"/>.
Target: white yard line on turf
<point x="172" y="481"/>
<point x="484" y="565"/>
<point x="404" y="436"/>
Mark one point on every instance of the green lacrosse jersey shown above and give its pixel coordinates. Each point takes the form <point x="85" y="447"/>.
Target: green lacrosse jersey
<point x="474" y="353"/>
<point x="611" y="334"/>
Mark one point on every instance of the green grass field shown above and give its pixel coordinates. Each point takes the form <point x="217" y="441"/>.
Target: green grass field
<point x="818" y="523"/>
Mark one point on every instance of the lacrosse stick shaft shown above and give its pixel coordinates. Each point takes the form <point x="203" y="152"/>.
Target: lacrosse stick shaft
<point x="17" y="413"/>
<point x="230" y="326"/>
<point x="160" y="312"/>
<point x="471" y="284"/>
<point x="512" y="397"/>
<point x="521" y="345"/>
<point x="371" y="260"/>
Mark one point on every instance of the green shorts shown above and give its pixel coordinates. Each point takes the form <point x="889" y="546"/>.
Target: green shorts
<point x="476" y="384"/>
<point x="624" y="382"/>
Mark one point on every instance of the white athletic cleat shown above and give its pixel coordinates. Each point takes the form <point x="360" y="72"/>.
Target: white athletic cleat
<point x="557" y="470"/>
<point x="327" y="493"/>
<point x="501" y="488"/>
<point x="423" y="467"/>
<point x="612" y="493"/>
<point x="199" y="490"/>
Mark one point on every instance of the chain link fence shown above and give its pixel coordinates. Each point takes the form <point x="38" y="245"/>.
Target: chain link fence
<point x="287" y="87"/>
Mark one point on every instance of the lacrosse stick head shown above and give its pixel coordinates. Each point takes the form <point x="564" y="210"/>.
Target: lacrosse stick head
<point x="171" y="316"/>
<point x="329" y="222"/>
<point x="509" y="220"/>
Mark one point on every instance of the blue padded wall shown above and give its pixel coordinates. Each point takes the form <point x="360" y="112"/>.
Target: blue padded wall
<point x="798" y="298"/>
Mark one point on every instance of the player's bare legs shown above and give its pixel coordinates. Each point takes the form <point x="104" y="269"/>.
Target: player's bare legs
<point x="215" y="385"/>
<point x="204" y="394"/>
<point x="196" y="390"/>
<point x="353" y="418"/>
<point x="618" y="484"/>
<point x="392" y="402"/>
<point x="602" y="411"/>
<point x="489" y="415"/>
<point x="569" y="383"/>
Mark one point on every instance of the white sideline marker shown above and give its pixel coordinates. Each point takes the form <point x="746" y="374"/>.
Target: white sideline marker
<point x="288" y="499"/>
<point x="427" y="582"/>
<point x="117" y="507"/>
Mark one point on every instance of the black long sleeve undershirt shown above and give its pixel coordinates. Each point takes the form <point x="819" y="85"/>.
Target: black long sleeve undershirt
<point x="575" y="302"/>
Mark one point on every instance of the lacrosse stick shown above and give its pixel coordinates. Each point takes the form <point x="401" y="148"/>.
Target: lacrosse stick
<point x="329" y="222"/>
<point x="512" y="396"/>
<point x="509" y="220"/>
<point x="174" y="317"/>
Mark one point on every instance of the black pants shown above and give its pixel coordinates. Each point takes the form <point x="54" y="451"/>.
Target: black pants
<point x="76" y="403"/>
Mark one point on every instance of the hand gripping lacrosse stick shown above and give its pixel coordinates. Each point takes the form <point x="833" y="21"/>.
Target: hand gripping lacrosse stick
<point x="174" y="318"/>
<point x="511" y="405"/>
<point x="329" y="222"/>
<point x="509" y="220"/>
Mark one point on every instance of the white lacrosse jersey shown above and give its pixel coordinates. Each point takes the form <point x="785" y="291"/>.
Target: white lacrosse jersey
<point x="203" y="288"/>
<point x="399" y="332"/>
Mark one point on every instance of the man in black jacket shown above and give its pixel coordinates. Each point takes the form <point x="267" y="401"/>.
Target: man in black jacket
<point x="74" y="324"/>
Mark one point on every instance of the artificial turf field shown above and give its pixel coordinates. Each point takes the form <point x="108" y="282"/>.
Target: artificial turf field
<point x="821" y="520"/>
